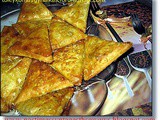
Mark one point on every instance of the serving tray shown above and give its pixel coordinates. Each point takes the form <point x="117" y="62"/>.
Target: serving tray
<point x="94" y="94"/>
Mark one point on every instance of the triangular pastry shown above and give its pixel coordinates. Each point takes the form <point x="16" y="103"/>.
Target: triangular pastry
<point x="101" y="53"/>
<point x="10" y="67"/>
<point x="41" y="79"/>
<point x="51" y="104"/>
<point x="62" y="33"/>
<point x="34" y="11"/>
<point x="26" y="28"/>
<point x="11" y="63"/>
<point x="76" y="14"/>
<point x="8" y="37"/>
<point x="69" y="61"/>
<point x="36" y="45"/>
<point x="12" y="80"/>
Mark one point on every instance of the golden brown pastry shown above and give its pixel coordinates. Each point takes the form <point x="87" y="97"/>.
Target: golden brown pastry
<point x="4" y="106"/>
<point x="8" y="65"/>
<point x="26" y="28"/>
<point x="36" y="46"/>
<point x="69" y="61"/>
<point x="76" y="14"/>
<point x="34" y="11"/>
<point x="101" y="53"/>
<point x="51" y="104"/>
<point x="41" y="79"/>
<point x="8" y="37"/>
<point x="61" y="33"/>
<point x="8" y="31"/>
<point x="12" y="79"/>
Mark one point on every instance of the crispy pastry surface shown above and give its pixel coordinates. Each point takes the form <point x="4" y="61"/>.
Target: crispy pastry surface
<point x="8" y="37"/>
<point x="26" y="28"/>
<point x="9" y="66"/>
<point x="69" y="61"/>
<point x="34" y="11"/>
<point x="51" y="104"/>
<point x="4" y="106"/>
<point x="36" y="46"/>
<point x="12" y="79"/>
<point x="29" y="84"/>
<point x="41" y="79"/>
<point x="61" y="33"/>
<point x="76" y="14"/>
<point x="101" y="53"/>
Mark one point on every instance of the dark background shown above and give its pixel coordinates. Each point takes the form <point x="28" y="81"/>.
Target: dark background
<point x="9" y="6"/>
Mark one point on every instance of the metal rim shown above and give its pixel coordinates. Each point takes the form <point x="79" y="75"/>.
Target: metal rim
<point x="11" y="12"/>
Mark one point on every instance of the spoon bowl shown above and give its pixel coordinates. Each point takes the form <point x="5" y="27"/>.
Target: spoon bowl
<point x="88" y="101"/>
<point x="141" y="61"/>
<point x="137" y="24"/>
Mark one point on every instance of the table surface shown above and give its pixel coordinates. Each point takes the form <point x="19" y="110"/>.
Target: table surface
<point x="143" y="110"/>
<point x="121" y="104"/>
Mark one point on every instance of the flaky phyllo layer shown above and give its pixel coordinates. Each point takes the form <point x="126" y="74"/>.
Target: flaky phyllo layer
<point x="45" y="55"/>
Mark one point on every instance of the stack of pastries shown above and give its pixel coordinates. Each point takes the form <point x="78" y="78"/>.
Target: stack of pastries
<point x="44" y="55"/>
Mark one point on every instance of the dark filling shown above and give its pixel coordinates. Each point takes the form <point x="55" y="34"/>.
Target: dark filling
<point x="141" y="59"/>
<point x="124" y="10"/>
<point x="122" y="68"/>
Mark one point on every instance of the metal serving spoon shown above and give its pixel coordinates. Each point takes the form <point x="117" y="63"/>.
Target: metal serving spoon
<point x="141" y="61"/>
<point x="123" y="71"/>
<point x="89" y="100"/>
<point x="137" y="24"/>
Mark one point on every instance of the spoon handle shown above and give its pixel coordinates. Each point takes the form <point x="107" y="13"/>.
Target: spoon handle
<point x="148" y="77"/>
<point x="130" y="91"/>
<point x="114" y="33"/>
<point x="110" y="95"/>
